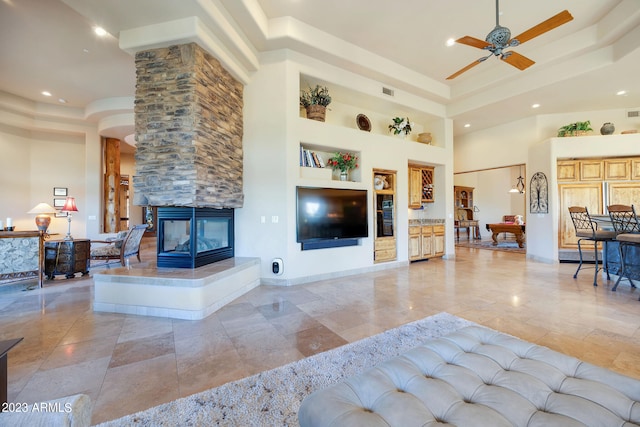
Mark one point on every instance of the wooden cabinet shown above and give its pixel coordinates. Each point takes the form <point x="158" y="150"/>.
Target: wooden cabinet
<point x="624" y="193"/>
<point x="421" y="185"/>
<point x="589" y="195"/>
<point x="385" y="218"/>
<point x="66" y="257"/>
<point x="427" y="185"/>
<point x="415" y="187"/>
<point x="568" y="170"/>
<point x="635" y="168"/>
<point x="415" y="242"/>
<point x="591" y="170"/>
<point x="617" y="169"/>
<point x="426" y="241"/>
<point x="463" y="197"/>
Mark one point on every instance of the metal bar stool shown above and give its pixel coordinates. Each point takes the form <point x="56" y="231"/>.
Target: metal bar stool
<point x="625" y="223"/>
<point x="587" y="229"/>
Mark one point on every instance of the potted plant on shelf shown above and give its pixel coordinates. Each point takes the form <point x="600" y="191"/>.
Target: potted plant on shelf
<point x="400" y="125"/>
<point x="344" y="162"/>
<point x="315" y="101"/>
<point x="575" y="129"/>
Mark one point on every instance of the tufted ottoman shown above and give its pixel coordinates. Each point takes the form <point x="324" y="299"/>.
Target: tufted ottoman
<point x="478" y="377"/>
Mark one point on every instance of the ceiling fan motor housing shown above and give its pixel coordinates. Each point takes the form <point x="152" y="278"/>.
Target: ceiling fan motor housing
<point x="499" y="37"/>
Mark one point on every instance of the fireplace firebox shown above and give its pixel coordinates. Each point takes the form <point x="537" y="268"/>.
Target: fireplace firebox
<point x="192" y="237"/>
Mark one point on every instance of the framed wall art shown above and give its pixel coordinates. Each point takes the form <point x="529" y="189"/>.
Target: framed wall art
<point x="60" y="192"/>
<point x="539" y="193"/>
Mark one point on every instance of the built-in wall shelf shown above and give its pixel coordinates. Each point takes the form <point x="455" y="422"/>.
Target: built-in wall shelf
<point x="313" y="162"/>
<point x="379" y="110"/>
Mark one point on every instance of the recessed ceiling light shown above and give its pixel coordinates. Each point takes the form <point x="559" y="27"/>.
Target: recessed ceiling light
<point x="451" y="42"/>
<point x="100" y="31"/>
<point x="467" y="125"/>
<point x="535" y="106"/>
<point x="621" y="92"/>
<point x="85" y="50"/>
<point x="46" y="93"/>
<point x="62" y="100"/>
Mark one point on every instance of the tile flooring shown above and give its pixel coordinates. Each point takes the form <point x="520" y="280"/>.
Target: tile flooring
<point x="129" y="363"/>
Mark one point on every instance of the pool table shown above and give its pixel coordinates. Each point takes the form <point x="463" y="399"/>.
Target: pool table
<point x="505" y="227"/>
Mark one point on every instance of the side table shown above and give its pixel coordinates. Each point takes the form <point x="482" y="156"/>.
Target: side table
<point x="5" y="346"/>
<point x="66" y="257"/>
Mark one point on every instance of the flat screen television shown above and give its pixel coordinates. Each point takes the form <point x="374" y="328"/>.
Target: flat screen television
<point x="330" y="214"/>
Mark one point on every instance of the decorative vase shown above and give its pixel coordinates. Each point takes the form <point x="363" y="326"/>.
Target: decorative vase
<point x="424" y="138"/>
<point x="344" y="175"/>
<point x="607" y="129"/>
<point x="316" y="112"/>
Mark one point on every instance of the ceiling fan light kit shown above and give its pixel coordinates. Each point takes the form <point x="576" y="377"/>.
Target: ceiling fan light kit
<point x="500" y="39"/>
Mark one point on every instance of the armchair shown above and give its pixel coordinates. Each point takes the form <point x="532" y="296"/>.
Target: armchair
<point x="122" y="247"/>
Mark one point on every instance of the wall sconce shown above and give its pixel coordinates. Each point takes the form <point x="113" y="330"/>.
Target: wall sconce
<point x="69" y="206"/>
<point x="43" y="219"/>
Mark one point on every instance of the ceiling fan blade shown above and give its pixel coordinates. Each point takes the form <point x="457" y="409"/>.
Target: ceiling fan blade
<point x="473" y="42"/>
<point x="468" y="67"/>
<point x="521" y="62"/>
<point x="548" y="25"/>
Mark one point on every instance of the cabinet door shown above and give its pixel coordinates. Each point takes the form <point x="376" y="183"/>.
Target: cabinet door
<point x="415" y="188"/>
<point x="589" y="195"/>
<point x="438" y="240"/>
<point x="415" y="247"/>
<point x="567" y="170"/>
<point x="617" y="169"/>
<point x="427" y="246"/>
<point x="635" y="168"/>
<point x="627" y="193"/>
<point x="591" y="170"/>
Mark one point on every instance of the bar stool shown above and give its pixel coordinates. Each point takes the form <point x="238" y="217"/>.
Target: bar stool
<point x="625" y="223"/>
<point x="587" y="229"/>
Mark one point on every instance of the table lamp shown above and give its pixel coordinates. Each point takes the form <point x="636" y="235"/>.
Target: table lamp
<point x="69" y="206"/>
<point x="43" y="219"/>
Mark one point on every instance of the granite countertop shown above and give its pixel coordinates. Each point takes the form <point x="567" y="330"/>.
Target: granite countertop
<point x="425" y="221"/>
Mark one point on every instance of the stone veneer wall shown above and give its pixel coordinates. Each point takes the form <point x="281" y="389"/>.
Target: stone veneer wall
<point x="188" y="124"/>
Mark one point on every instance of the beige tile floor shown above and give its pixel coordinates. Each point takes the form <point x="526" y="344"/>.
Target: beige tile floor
<point x="129" y="363"/>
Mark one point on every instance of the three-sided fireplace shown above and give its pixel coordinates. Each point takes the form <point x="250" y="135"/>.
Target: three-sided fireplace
<point x="192" y="237"/>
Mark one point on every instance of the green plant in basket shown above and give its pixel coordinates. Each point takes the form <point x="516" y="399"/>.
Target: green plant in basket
<point x="573" y="129"/>
<point x="318" y="95"/>
<point x="343" y="161"/>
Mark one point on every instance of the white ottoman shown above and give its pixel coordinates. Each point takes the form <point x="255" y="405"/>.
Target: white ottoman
<point x="478" y="377"/>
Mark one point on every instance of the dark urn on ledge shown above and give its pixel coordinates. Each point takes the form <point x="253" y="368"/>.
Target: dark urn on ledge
<point x="607" y="129"/>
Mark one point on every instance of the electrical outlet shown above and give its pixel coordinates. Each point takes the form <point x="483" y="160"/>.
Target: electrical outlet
<point x="274" y="219"/>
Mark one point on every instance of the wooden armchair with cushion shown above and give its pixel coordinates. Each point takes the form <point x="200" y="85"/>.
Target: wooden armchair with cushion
<point x="122" y="247"/>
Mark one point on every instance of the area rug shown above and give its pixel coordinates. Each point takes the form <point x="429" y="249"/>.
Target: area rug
<point x="272" y="398"/>
<point x="503" y="245"/>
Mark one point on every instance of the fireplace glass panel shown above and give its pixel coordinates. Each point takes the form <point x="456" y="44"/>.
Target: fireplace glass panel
<point x="176" y="236"/>
<point x="213" y="233"/>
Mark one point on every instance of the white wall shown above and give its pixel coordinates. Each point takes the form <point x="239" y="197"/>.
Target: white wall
<point x="31" y="165"/>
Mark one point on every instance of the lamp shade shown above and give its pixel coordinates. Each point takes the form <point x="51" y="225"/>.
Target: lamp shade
<point x="69" y="205"/>
<point x="42" y="208"/>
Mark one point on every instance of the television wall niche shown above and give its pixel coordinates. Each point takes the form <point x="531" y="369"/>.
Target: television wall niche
<point x="330" y="217"/>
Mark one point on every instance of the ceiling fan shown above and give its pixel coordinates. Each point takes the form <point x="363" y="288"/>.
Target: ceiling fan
<point x="500" y="39"/>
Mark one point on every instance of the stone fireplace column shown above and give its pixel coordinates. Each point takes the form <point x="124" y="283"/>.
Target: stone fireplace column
<point x="188" y="125"/>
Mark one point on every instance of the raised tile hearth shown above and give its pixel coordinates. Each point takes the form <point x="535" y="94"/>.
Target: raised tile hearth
<point x="177" y="293"/>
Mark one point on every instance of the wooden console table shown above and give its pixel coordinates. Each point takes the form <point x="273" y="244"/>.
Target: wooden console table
<point x="5" y="346"/>
<point x="21" y="255"/>
<point x="66" y="257"/>
<point x="515" y="229"/>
